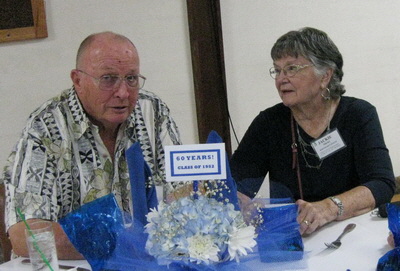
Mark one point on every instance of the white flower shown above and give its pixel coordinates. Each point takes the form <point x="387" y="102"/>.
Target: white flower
<point x="153" y="214"/>
<point x="240" y="241"/>
<point x="202" y="248"/>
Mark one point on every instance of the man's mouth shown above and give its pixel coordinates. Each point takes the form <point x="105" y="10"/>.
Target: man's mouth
<point x="119" y="108"/>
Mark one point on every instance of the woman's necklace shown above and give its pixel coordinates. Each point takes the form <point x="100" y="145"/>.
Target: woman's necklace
<point x="304" y="151"/>
<point x="305" y="147"/>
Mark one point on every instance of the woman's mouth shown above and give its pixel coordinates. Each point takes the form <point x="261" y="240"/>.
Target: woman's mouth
<point x="286" y="91"/>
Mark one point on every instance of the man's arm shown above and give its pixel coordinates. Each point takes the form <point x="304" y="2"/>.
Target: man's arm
<point x="65" y="249"/>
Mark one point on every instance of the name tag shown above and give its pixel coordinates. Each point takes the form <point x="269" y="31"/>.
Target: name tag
<point x="328" y="144"/>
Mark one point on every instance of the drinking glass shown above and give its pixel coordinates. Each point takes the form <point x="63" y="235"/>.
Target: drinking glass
<point x="41" y="246"/>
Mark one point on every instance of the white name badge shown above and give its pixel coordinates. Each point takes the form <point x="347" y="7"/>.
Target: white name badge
<point x="195" y="162"/>
<point x="328" y="144"/>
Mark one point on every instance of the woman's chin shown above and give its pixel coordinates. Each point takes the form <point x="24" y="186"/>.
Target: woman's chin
<point x="288" y="103"/>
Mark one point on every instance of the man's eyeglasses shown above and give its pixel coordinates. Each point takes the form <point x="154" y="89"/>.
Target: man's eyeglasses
<point x="110" y="82"/>
<point x="289" y="70"/>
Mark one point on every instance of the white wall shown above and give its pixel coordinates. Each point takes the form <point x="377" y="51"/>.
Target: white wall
<point x="367" y="32"/>
<point x="36" y="70"/>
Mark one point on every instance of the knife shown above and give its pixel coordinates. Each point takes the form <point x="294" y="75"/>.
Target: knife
<point x="61" y="266"/>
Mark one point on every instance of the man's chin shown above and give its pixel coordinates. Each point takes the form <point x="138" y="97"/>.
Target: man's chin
<point x="117" y="119"/>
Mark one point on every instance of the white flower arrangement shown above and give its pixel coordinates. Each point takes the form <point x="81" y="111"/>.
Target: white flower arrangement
<point x="198" y="229"/>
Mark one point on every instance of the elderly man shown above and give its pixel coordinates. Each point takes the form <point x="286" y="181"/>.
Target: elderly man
<point x="72" y="149"/>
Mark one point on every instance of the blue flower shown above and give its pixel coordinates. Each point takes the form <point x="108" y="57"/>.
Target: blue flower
<point x="199" y="230"/>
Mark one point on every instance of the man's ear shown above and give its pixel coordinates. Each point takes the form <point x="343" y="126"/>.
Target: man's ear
<point x="76" y="79"/>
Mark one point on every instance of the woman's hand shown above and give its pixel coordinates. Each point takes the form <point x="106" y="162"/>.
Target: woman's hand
<point x="243" y="200"/>
<point x="313" y="215"/>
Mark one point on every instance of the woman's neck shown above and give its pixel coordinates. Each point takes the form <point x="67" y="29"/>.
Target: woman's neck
<point x="315" y="119"/>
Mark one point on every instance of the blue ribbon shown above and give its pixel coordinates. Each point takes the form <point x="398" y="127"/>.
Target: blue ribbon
<point x="144" y="196"/>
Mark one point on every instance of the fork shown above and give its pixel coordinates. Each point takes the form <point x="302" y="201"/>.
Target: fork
<point x="337" y="243"/>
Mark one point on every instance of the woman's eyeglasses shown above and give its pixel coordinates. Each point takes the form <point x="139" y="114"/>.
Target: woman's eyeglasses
<point x="289" y="70"/>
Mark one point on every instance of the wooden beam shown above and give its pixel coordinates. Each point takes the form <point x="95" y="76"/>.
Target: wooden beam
<point x="209" y="69"/>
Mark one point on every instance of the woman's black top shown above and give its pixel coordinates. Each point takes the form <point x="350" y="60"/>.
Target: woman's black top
<point x="266" y="147"/>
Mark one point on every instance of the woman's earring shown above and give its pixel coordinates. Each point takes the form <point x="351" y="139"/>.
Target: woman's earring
<point x="328" y="97"/>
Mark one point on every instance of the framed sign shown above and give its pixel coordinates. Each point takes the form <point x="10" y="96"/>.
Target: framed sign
<point x="195" y="162"/>
<point x="22" y="20"/>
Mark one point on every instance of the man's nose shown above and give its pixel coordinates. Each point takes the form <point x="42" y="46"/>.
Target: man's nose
<point x="123" y="90"/>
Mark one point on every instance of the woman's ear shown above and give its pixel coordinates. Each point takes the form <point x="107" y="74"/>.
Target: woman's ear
<point x="326" y="78"/>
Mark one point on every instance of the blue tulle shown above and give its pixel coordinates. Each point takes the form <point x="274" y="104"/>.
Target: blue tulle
<point x="278" y="238"/>
<point x="97" y="231"/>
<point x="94" y="230"/>
<point x="391" y="260"/>
<point x="100" y="233"/>
<point x="393" y="211"/>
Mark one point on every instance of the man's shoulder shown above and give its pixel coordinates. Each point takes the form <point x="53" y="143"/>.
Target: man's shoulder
<point x="145" y="95"/>
<point x="53" y="103"/>
<point x="149" y="99"/>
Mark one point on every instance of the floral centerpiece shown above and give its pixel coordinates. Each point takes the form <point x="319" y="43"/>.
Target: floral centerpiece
<point x="198" y="229"/>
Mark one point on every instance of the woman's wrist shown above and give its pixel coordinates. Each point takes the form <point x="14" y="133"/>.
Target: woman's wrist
<point x="339" y="204"/>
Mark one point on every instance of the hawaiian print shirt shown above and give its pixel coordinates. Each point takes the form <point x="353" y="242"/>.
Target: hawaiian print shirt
<point x="60" y="161"/>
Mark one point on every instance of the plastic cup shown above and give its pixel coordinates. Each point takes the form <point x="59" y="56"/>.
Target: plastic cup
<point x="41" y="246"/>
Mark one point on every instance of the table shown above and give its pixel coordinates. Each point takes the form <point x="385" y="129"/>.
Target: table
<point x="360" y="251"/>
<point x="16" y="265"/>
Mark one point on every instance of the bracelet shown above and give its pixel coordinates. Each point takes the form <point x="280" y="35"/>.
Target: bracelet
<point x="339" y="204"/>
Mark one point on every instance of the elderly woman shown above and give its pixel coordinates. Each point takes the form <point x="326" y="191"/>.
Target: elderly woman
<point x="325" y="149"/>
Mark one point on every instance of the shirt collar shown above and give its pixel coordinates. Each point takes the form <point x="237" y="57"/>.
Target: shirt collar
<point x="81" y="122"/>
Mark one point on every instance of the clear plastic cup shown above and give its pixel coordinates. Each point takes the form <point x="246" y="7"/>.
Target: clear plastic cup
<point x="41" y="246"/>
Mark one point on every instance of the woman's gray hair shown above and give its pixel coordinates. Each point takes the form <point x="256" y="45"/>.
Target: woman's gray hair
<point x="317" y="47"/>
